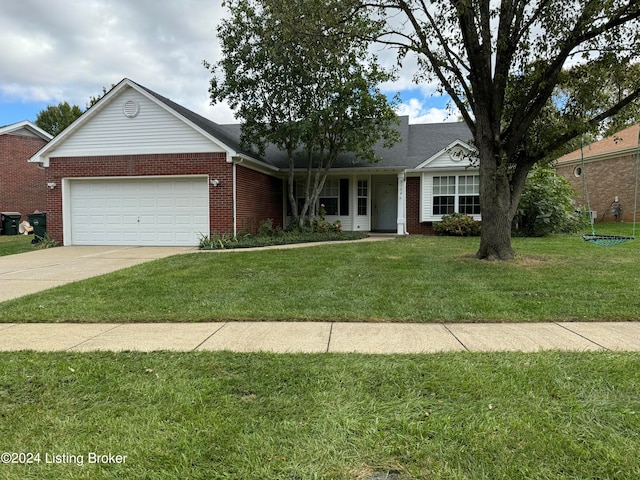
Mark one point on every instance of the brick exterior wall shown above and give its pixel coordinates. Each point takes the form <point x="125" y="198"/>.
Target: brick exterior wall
<point x="414" y="226"/>
<point x="22" y="184"/>
<point x="212" y="164"/>
<point x="259" y="196"/>
<point x="605" y="180"/>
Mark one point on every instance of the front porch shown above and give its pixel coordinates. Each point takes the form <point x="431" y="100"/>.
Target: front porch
<point x="371" y="202"/>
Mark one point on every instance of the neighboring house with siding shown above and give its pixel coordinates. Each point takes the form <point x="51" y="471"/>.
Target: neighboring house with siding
<point x="139" y="169"/>
<point x="607" y="174"/>
<point x="23" y="187"/>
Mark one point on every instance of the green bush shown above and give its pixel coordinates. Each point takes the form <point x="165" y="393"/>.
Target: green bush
<point x="547" y="206"/>
<point x="457" y="224"/>
<point x="216" y="241"/>
<point x="265" y="229"/>
<point x="279" y="237"/>
<point x="44" y="242"/>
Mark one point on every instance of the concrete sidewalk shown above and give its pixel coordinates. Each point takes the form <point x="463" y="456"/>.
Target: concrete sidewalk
<point x="317" y="337"/>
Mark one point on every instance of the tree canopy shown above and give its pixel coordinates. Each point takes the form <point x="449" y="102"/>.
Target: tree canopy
<point x="55" y="118"/>
<point x="527" y="77"/>
<point x="300" y="77"/>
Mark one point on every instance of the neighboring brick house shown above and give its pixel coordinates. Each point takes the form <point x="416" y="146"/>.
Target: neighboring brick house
<point x="139" y="169"/>
<point x="608" y="174"/>
<point x="23" y="187"/>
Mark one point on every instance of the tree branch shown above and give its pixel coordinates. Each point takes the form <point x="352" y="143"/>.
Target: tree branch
<point x="541" y="90"/>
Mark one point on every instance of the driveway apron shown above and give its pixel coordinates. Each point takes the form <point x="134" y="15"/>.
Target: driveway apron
<point x="33" y="272"/>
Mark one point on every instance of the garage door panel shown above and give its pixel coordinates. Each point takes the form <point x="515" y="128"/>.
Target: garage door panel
<point x="112" y="237"/>
<point x="129" y="237"/>
<point x="182" y="202"/>
<point x="96" y="220"/>
<point x="183" y="220"/>
<point x="139" y="211"/>
<point x="96" y="203"/>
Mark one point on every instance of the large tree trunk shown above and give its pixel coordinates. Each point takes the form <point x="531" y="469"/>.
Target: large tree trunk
<point x="496" y="206"/>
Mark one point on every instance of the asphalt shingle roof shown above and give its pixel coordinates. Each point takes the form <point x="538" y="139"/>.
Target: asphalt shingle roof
<point x="418" y="142"/>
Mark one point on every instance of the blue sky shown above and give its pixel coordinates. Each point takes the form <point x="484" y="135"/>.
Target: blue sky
<point x="12" y="111"/>
<point x="69" y="50"/>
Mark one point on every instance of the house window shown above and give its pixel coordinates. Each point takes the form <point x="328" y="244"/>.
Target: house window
<point x="469" y="199"/>
<point x="330" y="196"/>
<point x="334" y="196"/>
<point x="456" y="194"/>
<point x="444" y="190"/>
<point x="363" y="194"/>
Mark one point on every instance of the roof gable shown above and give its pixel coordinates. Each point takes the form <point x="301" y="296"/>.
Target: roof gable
<point x="130" y="119"/>
<point x="456" y="155"/>
<point x="25" y="128"/>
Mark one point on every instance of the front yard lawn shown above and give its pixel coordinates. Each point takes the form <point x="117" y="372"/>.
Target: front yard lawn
<point x="415" y="279"/>
<point x="12" y="244"/>
<point x="219" y="415"/>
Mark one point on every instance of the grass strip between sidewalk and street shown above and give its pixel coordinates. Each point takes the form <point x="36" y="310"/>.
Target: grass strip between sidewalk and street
<point x="219" y="415"/>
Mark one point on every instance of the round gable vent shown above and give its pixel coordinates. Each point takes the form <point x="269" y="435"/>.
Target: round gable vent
<point x="131" y="108"/>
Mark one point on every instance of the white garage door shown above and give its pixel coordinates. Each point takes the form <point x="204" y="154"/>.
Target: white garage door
<point x="173" y="211"/>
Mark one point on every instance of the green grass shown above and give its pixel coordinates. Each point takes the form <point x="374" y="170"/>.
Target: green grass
<point x="415" y="279"/>
<point x="12" y="244"/>
<point x="218" y="415"/>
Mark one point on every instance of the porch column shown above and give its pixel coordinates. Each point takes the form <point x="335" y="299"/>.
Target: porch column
<point x="402" y="206"/>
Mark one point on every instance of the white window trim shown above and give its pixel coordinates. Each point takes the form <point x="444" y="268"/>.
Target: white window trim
<point x="426" y="189"/>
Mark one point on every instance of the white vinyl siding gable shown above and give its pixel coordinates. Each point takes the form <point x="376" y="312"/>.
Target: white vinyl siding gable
<point x="152" y="130"/>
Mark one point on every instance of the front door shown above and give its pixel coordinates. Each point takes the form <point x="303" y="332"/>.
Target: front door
<point x="385" y="206"/>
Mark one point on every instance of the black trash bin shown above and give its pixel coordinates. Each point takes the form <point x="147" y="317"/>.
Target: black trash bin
<point x="38" y="221"/>
<point x="10" y="222"/>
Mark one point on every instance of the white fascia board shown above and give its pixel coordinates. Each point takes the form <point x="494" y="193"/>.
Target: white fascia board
<point x="445" y="168"/>
<point x="355" y="170"/>
<point x="254" y="164"/>
<point x="29" y="126"/>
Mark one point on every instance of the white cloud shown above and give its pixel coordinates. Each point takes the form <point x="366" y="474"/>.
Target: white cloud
<point x="418" y="112"/>
<point x="69" y="50"/>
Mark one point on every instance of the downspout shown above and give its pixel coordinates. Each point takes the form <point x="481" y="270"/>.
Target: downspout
<point x="402" y="204"/>
<point x="235" y="210"/>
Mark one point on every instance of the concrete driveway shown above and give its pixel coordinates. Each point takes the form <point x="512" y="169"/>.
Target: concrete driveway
<point x="39" y="270"/>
